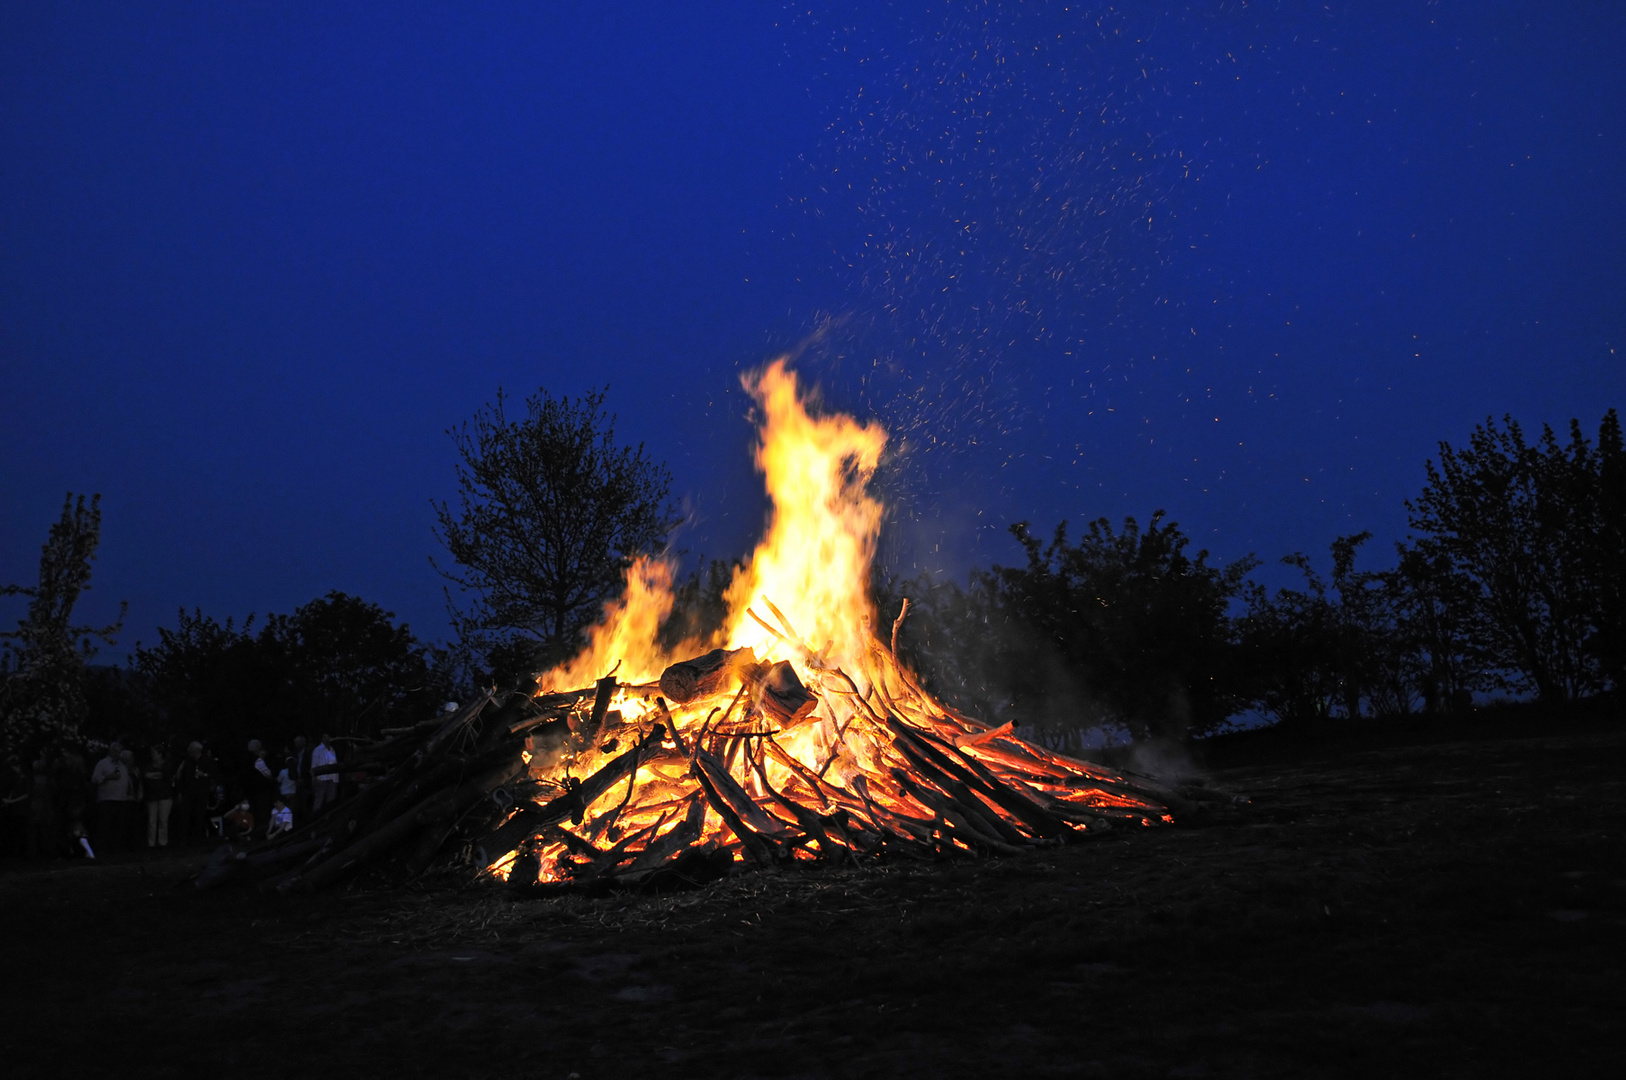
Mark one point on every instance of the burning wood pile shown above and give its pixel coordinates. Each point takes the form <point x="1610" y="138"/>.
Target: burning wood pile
<point x="726" y="758"/>
<point x="784" y="738"/>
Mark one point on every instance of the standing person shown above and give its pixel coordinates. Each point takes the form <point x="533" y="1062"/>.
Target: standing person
<point x="218" y="804"/>
<point x="302" y="777"/>
<point x="326" y="787"/>
<point x="158" y="791"/>
<point x="130" y="805"/>
<point x="191" y="783"/>
<point x="110" y="781"/>
<point x="261" y="783"/>
<point x="72" y="797"/>
<point x="288" y="782"/>
<point x="44" y="824"/>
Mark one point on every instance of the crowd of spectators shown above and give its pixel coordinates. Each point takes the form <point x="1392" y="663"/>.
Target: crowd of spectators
<point x="90" y="800"/>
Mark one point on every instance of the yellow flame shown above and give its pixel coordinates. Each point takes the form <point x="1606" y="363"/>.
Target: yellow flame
<point x="627" y="632"/>
<point x="813" y="563"/>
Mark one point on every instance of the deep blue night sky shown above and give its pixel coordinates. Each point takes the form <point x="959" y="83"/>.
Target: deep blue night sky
<point x="1247" y="262"/>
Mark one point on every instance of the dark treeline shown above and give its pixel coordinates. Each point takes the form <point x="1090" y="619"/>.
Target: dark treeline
<point x="1510" y="583"/>
<point x="338" y="664"/>
<point x="210" y="725"/>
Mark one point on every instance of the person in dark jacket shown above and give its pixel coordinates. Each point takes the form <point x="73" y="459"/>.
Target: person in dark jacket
<point x="158" y="792"/>
<point x="192" y="780"/>
<point x="260" y="784"/>
<point x="44" y="821"/>
<point x="72" y="789"/>
<point x="302" y="776"/>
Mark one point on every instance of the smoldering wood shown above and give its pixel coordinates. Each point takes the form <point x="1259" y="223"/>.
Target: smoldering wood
<point x="664" y="715"/>
<point x="930" y="759"/>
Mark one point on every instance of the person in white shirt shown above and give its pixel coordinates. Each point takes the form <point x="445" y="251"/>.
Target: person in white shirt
<point x="282" y="818"/>
<point x="325" y="788"/>
<point x="111" y="781"/>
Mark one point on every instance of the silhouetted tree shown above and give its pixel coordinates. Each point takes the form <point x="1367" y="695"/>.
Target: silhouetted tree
<point x="1120" y="629"/>
<point x="42" y="663"/>
<point x="1607" y="646"/>
<point x="1437" y="619"/>
<point x="337" y="664"/>
<point x="347" y="667"/>
<point x="551" y="512"/>
<point x="1338" y="647"/>
<point x="1291" y="639"/>
<point x="205" y="676"/>
<point x="1525" y="524"/>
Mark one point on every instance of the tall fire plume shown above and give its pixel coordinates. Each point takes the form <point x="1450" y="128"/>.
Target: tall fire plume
<point x="794" y="732"/>
<point x="792" y="735"/>
<point x="813" y="564"/>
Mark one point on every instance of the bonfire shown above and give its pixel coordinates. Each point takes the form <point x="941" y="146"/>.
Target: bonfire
<point x="793" y="735"/>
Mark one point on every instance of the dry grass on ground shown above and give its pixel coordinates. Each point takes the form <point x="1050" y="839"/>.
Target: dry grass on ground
<point x="1454" y="909"/>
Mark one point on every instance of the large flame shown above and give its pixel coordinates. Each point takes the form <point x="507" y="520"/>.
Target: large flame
<point x="842" y="750"/>
<point x="813" y="564"/>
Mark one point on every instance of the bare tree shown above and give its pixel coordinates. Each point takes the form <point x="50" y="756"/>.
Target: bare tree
<point x="551" y="512"/>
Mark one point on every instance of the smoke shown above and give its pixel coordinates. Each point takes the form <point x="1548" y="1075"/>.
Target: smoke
<point x="1168" y="761"/>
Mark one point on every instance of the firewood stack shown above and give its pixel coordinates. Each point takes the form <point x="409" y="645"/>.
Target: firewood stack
<point x="726" y="759"/>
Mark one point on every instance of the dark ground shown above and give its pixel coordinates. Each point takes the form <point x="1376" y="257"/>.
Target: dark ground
<point x="1391" y="903"/>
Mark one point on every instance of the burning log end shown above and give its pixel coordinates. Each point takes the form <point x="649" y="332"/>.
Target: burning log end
<point x="780" y="694"/>
<point x="687" y="680"/>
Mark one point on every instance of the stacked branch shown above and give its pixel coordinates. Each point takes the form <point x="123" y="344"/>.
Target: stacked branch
<point x="726" y="759"/>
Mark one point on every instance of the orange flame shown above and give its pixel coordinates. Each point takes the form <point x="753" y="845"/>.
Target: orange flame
<point x="854" y="731"/>
<point x="813" y="564"/>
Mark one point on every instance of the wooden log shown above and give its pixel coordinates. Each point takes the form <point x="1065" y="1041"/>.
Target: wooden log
<point x="814" y="782"/>
<point x="781" y="695"/>
<point x="811" y="822"/>
<point x="523" y="874"/>
<point x="606" y="863"/>
<point x="454" y="726"/>
<point x="735" y="806"/>
<point x="688" y="680"/>
<point x="920" y="749"/>
<point x="667" y="848"/>
<point x="427" y="844"/>
<point x="907" y="833"/>
<point x="449" y="771"/>
<point x="973" y="738"/>
<point x="760" y="820"/>
<point x="571" y="804"/>
<point x="664" y="715"/>
<point x="960" y="823"/>
<point x="985" y="819"/>
<point x="387" y="837"/>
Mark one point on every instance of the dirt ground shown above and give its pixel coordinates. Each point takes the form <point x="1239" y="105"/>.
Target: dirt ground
<point x="1445" y="908"/>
